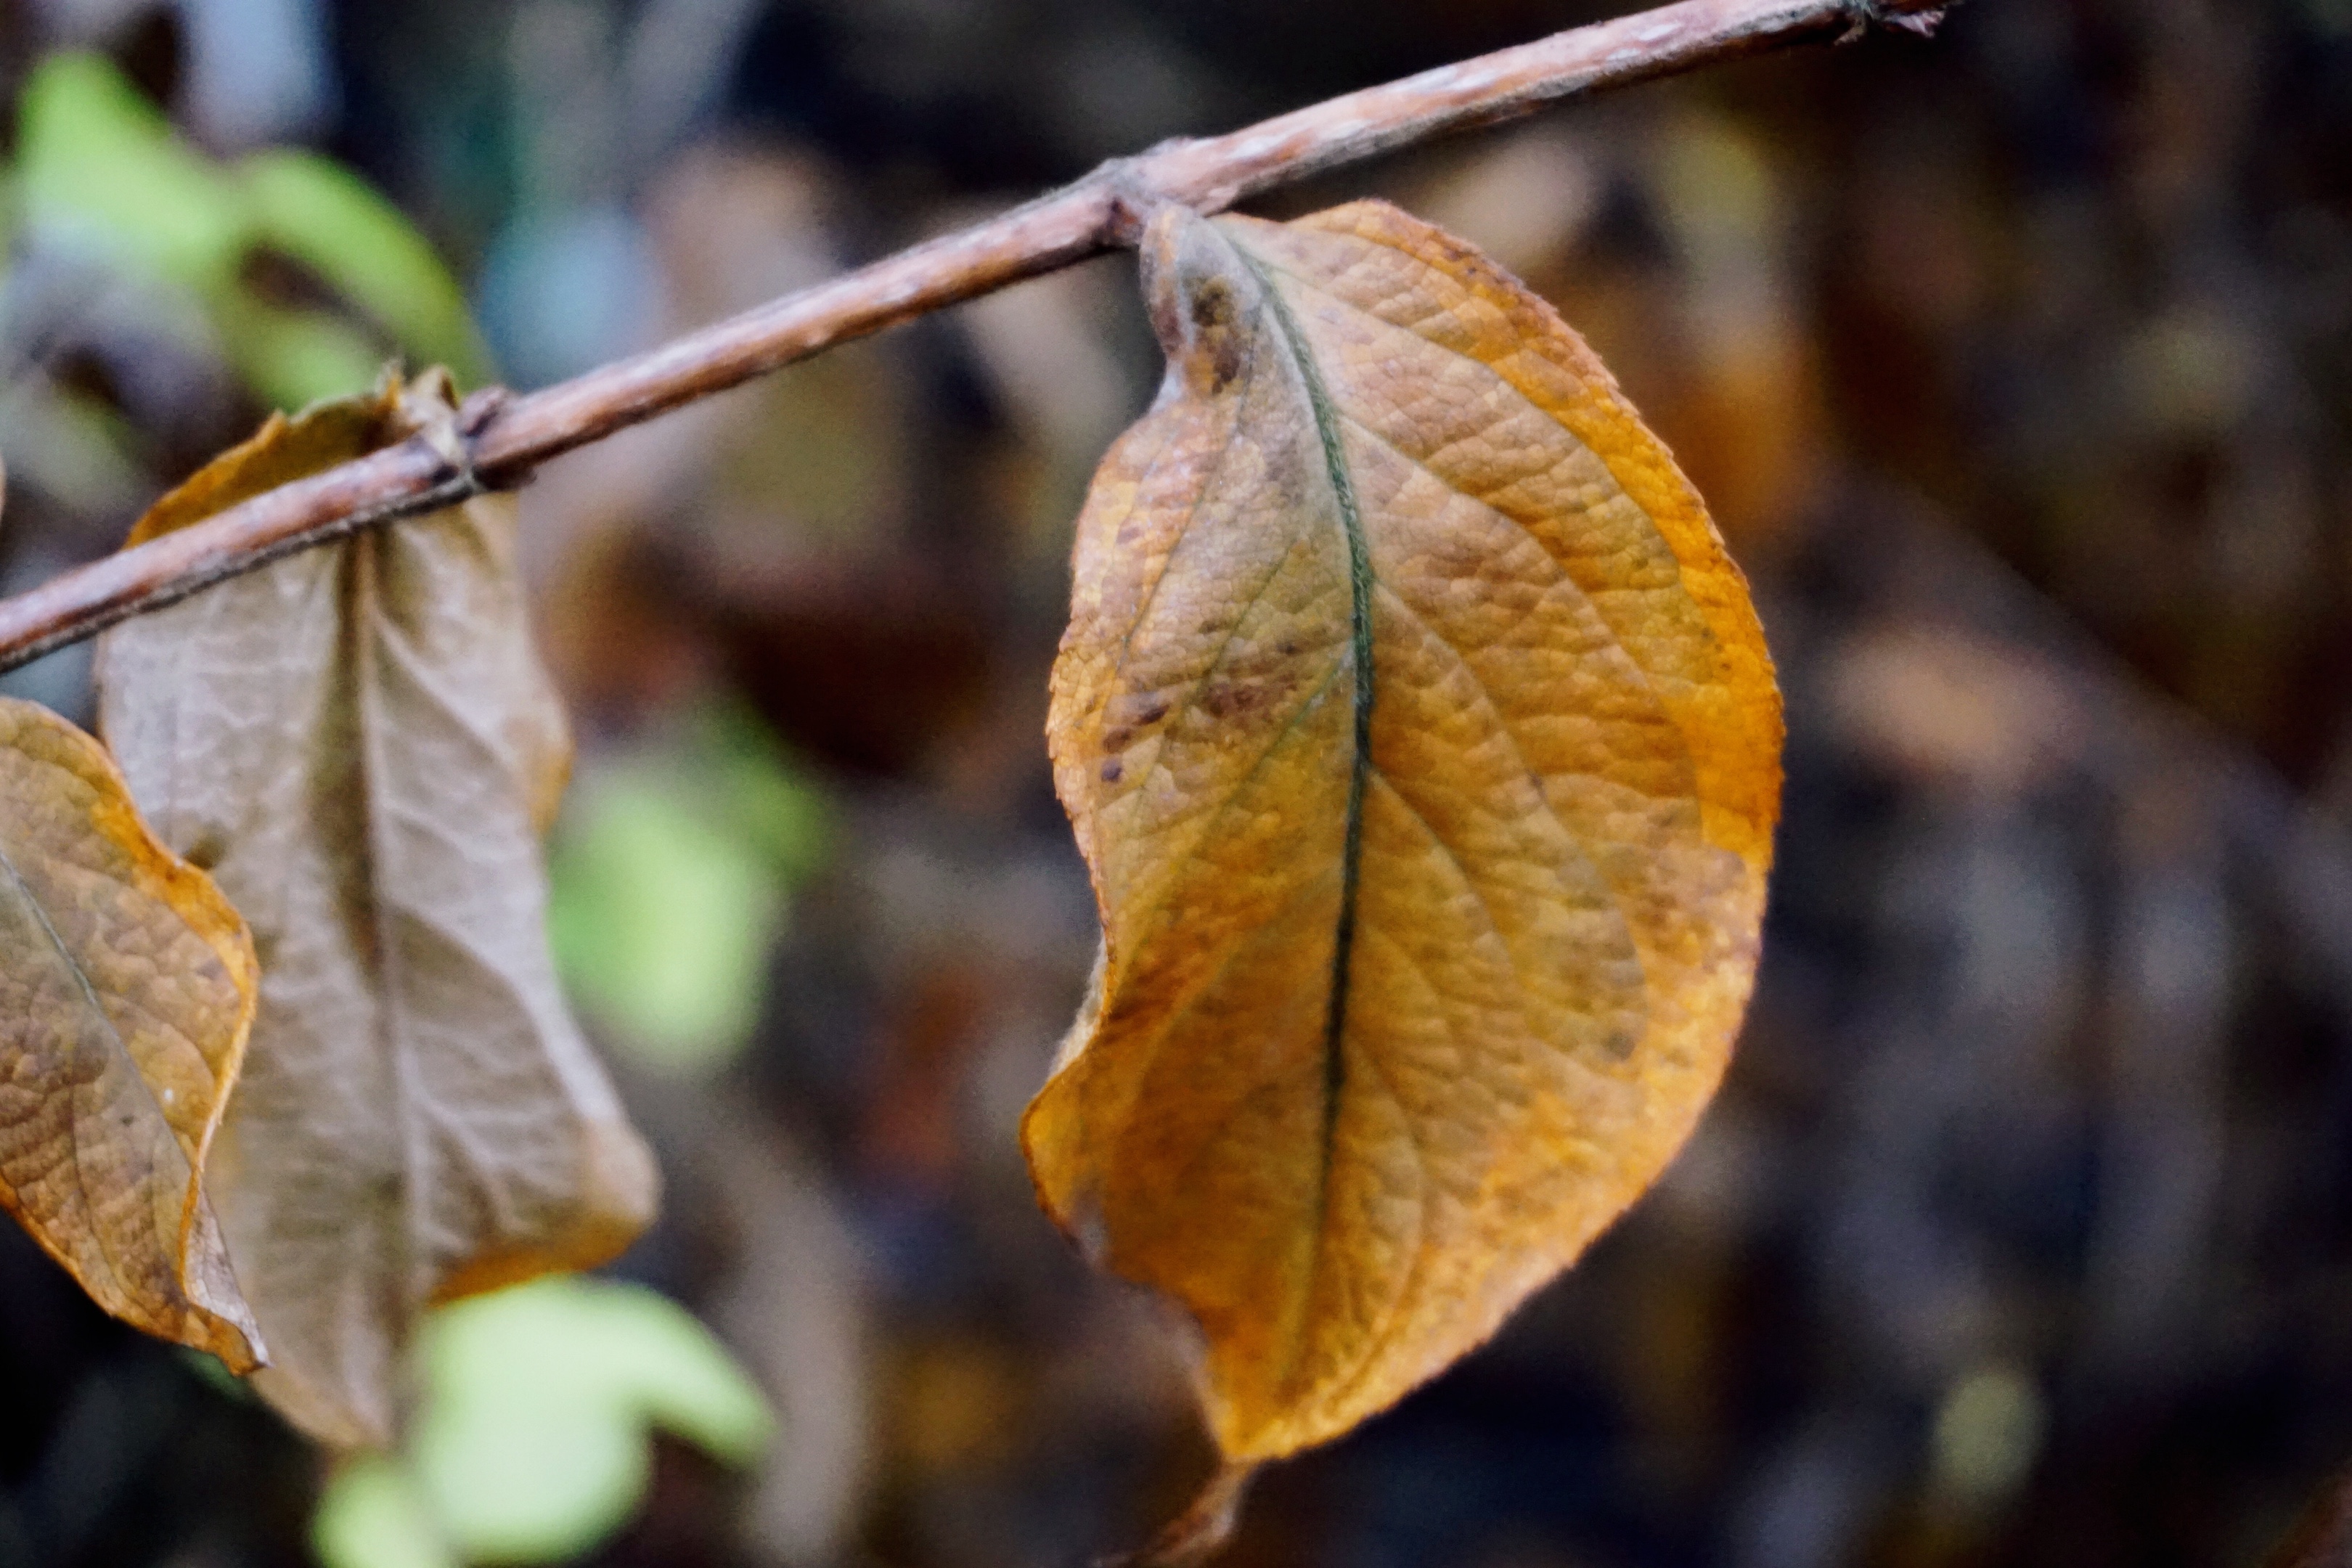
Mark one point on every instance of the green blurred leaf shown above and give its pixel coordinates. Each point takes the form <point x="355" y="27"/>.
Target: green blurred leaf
<point x="101" y="169"/>
<point x="296" y="358"/>
<point x="670" y="884"/>
<point x="69" y="445"/>
<point x="98" y="165"/>
<point x="328" y="218"/>
<point x="533" y="1444"/>
<point x="761" y="796"/>
<point x="371" y="1515"/>
<point x="660" y="920"/>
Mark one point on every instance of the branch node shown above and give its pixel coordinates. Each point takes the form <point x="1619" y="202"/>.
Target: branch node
<point x="431" y="414"/>
<point x="480" y="408"/>
<point x="1133" y="196"/>
<point x="1866" y="15"/>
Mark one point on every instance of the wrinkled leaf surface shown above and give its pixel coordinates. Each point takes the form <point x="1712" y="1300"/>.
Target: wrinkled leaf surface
<point x="1425" y="752"/>
<point x="127" y="987"/>
<point x="361" y="744"/>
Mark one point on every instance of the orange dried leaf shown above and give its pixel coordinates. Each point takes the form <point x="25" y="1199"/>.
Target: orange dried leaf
<point x="127" y="987"/>
<point x="1425" y="752"/>
<point x="361" y="744"/>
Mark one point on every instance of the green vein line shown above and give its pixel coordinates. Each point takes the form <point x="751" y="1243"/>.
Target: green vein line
<point x="1360" y="587"/>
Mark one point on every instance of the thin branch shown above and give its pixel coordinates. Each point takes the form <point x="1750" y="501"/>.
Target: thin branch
<point x="511" y="436"/>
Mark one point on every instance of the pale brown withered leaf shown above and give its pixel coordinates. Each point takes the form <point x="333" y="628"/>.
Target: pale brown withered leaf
<point x="127" y="987"/>
<point x="1424" y="749"/>
<point x="361" y="744"/>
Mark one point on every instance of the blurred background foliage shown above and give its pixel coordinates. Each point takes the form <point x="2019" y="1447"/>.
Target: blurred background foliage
<point x="2018" y="369"/>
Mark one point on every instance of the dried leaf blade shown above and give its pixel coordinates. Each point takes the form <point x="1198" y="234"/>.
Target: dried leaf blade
<point x="1425" y="750"/>
<point x="127" y="987"/>
<point x="363" y="743"/>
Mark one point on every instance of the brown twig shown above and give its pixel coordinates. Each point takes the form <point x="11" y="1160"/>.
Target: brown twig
<point x="511" y="436"/>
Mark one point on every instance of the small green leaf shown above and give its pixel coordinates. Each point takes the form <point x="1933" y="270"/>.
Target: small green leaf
<point x="296" y="358"/>
<point x="763" y="796"/>
<point x="532" y="1446"/>
<point x="661" y="921"/>
<point x="98" y="165"/>
<point x="373" y="1516"/>
<point x="69" y="445"/>
<point x="331" y="221"/>
<point x="671" y="881"/>
<point x="101" y="169"/>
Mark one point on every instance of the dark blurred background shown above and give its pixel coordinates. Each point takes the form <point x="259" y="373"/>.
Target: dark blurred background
<point x="2017" y="370"/>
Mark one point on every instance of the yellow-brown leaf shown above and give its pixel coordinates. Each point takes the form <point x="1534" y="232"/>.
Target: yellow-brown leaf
<point x="127" y="988"/>
<point x="361" y="744"/>
<point x="1425" y="752"/>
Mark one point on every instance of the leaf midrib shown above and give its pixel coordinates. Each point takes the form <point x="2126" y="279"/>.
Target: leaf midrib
<point x="363" y="606"/>
<point x="1326" y="418"/>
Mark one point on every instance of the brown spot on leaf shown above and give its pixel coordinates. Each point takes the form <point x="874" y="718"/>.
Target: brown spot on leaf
<point x="1233" y="698"/>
